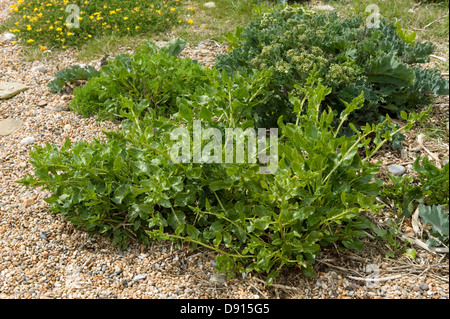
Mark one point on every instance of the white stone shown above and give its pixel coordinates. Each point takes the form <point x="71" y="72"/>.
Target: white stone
<point x="28" y="140"/>
<point x="397" y="169"/>
<point x="39" y="68"/>
<point x="8" y="36"/>
<point x="140" y="277"/>
<point x="209" y="4"/>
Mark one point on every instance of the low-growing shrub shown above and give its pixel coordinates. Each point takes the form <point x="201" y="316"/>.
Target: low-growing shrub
<point x="128" y="186"/>
<point x="63" y="23"/>
<point x="167" y="84"/>
<point x="350" y="57"/>
<point x="156" y="76"/>
<point x="430" y="187"/>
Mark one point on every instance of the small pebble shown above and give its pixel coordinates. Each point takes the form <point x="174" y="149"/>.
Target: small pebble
<point x="28" y="140"/>
<point x="8" y="36"/>
<point x="397" y="169"/>
<point x="424" y="286"/>
<point x="39" y="68"/>
<point x="140" y="277"/>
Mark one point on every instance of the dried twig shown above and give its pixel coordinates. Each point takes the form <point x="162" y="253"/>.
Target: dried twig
<point x="416" y="225"/>
<point x="438" y="57"/>
<point x="423" y="29"/>
<point x="422" y="146"/>
<point x="337" y="267"/>
<point x="260" y="292"/>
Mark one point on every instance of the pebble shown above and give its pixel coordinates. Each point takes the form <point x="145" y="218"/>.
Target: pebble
<point x="140" y="277"/>
<point x="11" y="88"/>
<point x="28" y="140"/>
<point x="445" y="162"/>
<point x="424" y="286"/>
<point x="397" y="169"/>
<point x="43" y="235"/>
<point x="40" y="68"/>
<point x="9" y="126"/>
<point x="8" y="36"/>
<point x="42" y="103"/>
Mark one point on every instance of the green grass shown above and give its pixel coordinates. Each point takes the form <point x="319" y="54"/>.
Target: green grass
<point x="426" y="18"/>
<point x="215" y="23"/>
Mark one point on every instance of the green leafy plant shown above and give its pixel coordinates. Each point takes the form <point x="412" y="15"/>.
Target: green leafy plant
<point x="438" y="220"/>
<point x="431" y="187"/>
<point x="128" y="186"/>
<point x="72" y="75"/>
<point x="383" y="62"/>
<point x="152" y="75"/>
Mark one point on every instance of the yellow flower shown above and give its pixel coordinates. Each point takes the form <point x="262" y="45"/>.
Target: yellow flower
<point x="86" y="2"/>
<point x="69" y="33"/>
<point x="63" y="47"/>
<point x="125" y="18"/>
<point x="172" y="9"/>
<point x="136" y="27"/>
<point x="40" y="14"/>
<point x="42" y="48"/>
<point x="89" y="36"/>
<point x="30" y="41"/>
<point x="159" y="11"/>
<point x="191" y="9"/>
<point x="59" y="29"/>
<point x="91" y="17"/>
<point x="112" y="12"/>
<point x="50" y="27"/>
<point x="191" y="21"/>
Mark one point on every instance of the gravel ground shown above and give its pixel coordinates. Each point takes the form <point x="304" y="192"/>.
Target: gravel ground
<point x="43" y="256"/>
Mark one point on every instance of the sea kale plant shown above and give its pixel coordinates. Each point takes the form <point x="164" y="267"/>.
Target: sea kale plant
<point x="383" y="62"/>
<point x="129" y="187"/>
<point x="153" y="75"/>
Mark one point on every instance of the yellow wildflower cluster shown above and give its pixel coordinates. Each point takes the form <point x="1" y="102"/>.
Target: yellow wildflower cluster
<point x="47" y="23"/>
